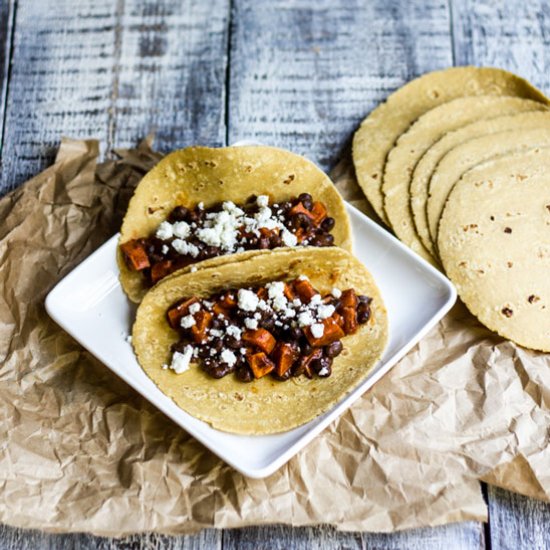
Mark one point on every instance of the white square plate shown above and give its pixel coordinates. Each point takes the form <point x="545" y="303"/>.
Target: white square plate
<point x="90" y="305"/>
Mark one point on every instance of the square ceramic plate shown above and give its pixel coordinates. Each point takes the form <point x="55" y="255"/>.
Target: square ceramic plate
<point x="90" y="305"/>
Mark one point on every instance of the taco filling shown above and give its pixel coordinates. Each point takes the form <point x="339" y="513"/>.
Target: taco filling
<point x="192" y="235"/>
<point x="281" y="329"/>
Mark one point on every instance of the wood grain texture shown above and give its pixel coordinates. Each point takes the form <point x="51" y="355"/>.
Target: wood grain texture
<point x="514" y="36"/>
<point x="115" y="71"/>
<point x="518" y="522"/>
<point x="23" y="539"/>
<point x="304" y="74"/>
<point x="7" y="17"/>
<point x="449" y="537"/>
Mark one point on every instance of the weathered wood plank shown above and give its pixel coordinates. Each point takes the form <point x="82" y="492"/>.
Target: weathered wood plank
<point x="171" y="62"/>
<point x="448" y="537"/>
<point x="304" y="74"/>
<point x="115" y="71"/>
<point x="7" y="17"/>
<point x="514" y="36"/>
<point x="24" y="539"/>
<point x="517" y="521"/>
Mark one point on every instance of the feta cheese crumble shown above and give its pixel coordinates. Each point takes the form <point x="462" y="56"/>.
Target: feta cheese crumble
<point x="227" y="356"/>
<point x="234" y="331"/>
<point x="336" y="292"/>
<point x="247" y="300"/>
<point x="165" y="231"/>
<point x="188" y="321"/>
<point x="251" y="324"/>
<point x="180" y="361"/>
<point x="305" y="319"/>
<point x="194" y="308"/>
<point x="181" y="229"/>
<point x="317" y="330"/>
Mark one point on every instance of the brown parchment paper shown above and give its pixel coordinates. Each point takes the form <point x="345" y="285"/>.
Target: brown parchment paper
<point x="81" y="451"/>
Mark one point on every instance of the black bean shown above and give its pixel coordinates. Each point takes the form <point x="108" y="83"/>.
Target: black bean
<point x="264" y="243"/>
<point x="178" y="346"/>
<point x="328" y="224"/>
<point x="306" y="348"/>
<point x="252" y="198"/>
<point x="217" y="323"/>
<point x="195" y="216"/>
<point x="363" y="312"/>
<point x="296" y="333"/>
<point x="179" y="214"/>
<point x="275" y="241"/>
<point x="323" y="240"/>
<point x="268" y="323"/>
<point x="323" y="363"/>
<point x="334" y="349"/>
<point x="306" y="199"/>
<point x="244" y="374"/>
<point x="364" y="299"/>
<point x="287" y="374"/>
<point x="233" y="343"/>
<point x="219" y="370"/>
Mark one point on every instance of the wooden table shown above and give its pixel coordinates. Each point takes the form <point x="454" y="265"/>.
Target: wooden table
<point x="295" y="73"/>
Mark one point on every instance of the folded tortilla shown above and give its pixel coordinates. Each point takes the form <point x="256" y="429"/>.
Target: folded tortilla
<point x="201" y="174"/>
<point x="265" y="405"/>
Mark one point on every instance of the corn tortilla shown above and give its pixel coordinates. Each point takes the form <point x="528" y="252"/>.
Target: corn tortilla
<point x="413" y="143"/>
<point x="380" y="130"/>
<point x="494" y="242"/>
<point x="201" y="174"/>
<point x="463" y="157"/>
<point x="265" y="405"/>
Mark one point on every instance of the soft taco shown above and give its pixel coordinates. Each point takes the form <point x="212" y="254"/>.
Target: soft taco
<point x="201" y="204"/>
<point x="265" y="345"/>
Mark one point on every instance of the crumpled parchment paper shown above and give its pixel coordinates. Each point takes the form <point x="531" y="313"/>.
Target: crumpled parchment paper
<point x="81" y="451"/>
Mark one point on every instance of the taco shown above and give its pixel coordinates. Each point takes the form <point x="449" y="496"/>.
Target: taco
<point x="265" y="345"/>
<point x="199" y="205"/>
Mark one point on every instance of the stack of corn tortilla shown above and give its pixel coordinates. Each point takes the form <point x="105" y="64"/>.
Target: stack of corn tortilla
<point x="456" y="163"/>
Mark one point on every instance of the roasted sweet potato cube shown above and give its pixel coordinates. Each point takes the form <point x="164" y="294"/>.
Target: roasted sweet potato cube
<point x="161" y="270"/>
<point x="331" y="332"/>
<point x="300" y="209"/>
<point x="228" y="300"/>
<point x="260" y="338"/>
<point x="202" y="322"/>
<point x="304" y="290"/>
<point x="179" y="310"/>
<point x="289" y="292"/>
<point x="348" y="298"/>
<point x="304" y="364"/>
<point x="135" y="255"/>
<point x="350" y="319"/>
<point x="262" y="293"/>
<point x="319" y="212"/>
<point x="260" y="364"/>
<point x="218" y="309"/>
<point x="285" y="356"/>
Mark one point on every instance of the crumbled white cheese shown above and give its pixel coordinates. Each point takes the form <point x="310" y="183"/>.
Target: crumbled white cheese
<point x="317" y="330"/>
<point x="296" y="302"/>
<point x="188" y="321"/>
<point x="251" y="324"/>
<point x="165" y="248"/>
<point x="247" y="300"/>
<point x="243" y="351"/>
<point x="315" y="300"/>
<point x="227" y="356"/>
<point x="180" y="361"/>
<point x="336" y="292"/>
<point x="303" y="278"/>
<point x="324" y="311"/>
<point x="194" y="308"/>
<point x="185" y="248"/>
<point x="181" y="229"/>
<point x="215" y="332"/>
<point x="289" y="239"/>
<point x="305" y="319"/>
<point x="262" y="304"/>
<point x="193" y="268"/>
<point x="262" y="200"/>
<point x="200" y="206"/>
<point x="234" y="331"/>
<point x="165" y="231"/>
<point x="323" y="371"/>
<point x="231" y="207"/>
<point x="275" y="291"/>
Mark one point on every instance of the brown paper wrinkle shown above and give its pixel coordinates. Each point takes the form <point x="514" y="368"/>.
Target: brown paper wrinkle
<point x="83" y="452"/>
